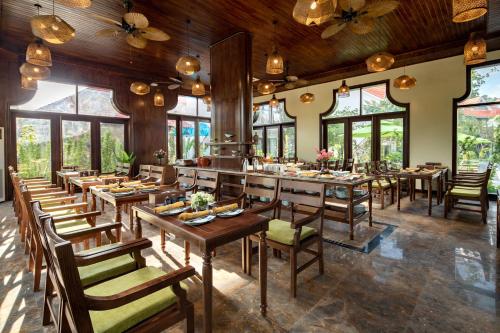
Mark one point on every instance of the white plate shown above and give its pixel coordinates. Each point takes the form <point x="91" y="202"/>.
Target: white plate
<point x="231" y="213"/>
<point x="173" y="211"/>
<point x="200" y="220"/>
<point x="147" y="190"/>
<point x="123" y="194"/>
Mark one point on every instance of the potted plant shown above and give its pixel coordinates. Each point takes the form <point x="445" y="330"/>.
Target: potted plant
<point x="160" y="155"/>
<point x="125" y="157"/>
<point x="323" y="156"/>
<point x="201" y="200"/>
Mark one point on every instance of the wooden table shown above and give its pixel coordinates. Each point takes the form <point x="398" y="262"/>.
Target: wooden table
<point x="63" y="178"/>
<point x="208" y="237"/>
<point x="86" y="184"/>
<point x="429" y="177"/>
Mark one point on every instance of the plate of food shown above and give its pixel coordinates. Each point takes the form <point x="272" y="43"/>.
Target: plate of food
<point x="200" y="220"/>
<point x="175" y="211"/>
<point x="122" y="194"/>
<point x="231" y="213"/>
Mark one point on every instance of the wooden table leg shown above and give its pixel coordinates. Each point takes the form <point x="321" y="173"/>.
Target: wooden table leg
<point x="72" y="189"/>
<point x="207" y="291"/>
<point x="138" y="228"/>
<point x="93" y="203"/>
<point x="118" y="219"/>
<point x="429" y="196"/>
<point x="187" y="252"/>
<point x="84" y="194"/>
<point x="130" y="218"/>
<point x="103" y="203"/>
<point x="351" y="213"/>
<point x="244" y="242"/>
<point x="66" y="185"/>
<point x="439" y="185"/>
<point x="370" y="201"/>
<point x="398" y="192"/>
<point x="263" y="272"/>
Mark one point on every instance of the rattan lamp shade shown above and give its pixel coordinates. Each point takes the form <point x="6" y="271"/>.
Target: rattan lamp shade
<point x="475" y="50"/>
<point x="275" y="64"/>
<point x="159" y="98"/>
<point x="468" y="10"/>
<point x="139" y="88"/>
<point x="307" y="98"/>
<point x="35" y="72"/>
<point x="313" y="12"/>
<point x="75" y="3"/>
<point x="405" y="82"/>
<point x="344" y="90"/>
<point x="198" y="88"/>
<point x="207" y="100"/>
<point x="28" y="83"/>
<point x="266" y="88"/>
<point x="274" y="102"/>
<point x="52" y="29"/>
<point x="188" y="65"/>
<point x="379" y="62"/>
<point x="38" y="54"/>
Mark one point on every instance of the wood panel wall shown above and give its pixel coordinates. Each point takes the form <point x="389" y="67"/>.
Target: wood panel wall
<point x="147" y="126"/>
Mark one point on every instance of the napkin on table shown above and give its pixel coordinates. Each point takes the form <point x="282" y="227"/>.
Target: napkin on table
<point x="161" y="209"/>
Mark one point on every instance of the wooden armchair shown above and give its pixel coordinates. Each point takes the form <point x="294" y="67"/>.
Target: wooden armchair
<point x="296" y="236"/>
<point x="186" y="179"/>
<point x="157" y="174"/>
<point x="349" y="164"/>
<point x="463" y="189"/>
<point x="123" y="169"/>
<point x="383" y="184"/>
<point x="144" y="170"/>
<point x="129" y="302"/>
<point x="207" y="181"/>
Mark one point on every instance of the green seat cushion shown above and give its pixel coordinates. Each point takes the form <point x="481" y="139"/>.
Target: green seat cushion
<point x="63" y="212"/>
<point x="282" y="232"/>
<point x="70" y="226"/>
<point x="341" y="192"/>
<point x="129" y="315"/>
<point x="466" y="192"/>
<point x="106" y="269"/>
<point x="383" y="183"/>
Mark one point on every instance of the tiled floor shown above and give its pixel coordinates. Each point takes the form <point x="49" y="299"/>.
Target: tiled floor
<point x="428" y="275"/>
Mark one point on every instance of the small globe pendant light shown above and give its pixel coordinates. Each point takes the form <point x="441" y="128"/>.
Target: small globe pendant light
<point x="35" y="72"/>
<point x="198" y="88"/>
<point x="140" y="88"/>
<point x="307" y="98"/>
<point x="274" y="102"/>
<point x="405" y="82"/>
<point x="344" y="90"/>
<point x="38" y="54"/>
<point x="187" y="64"/>
<point x="159" y="98"/>
<point x="475" y="50"/>
<point x="28" y="83"/>
<point x="266" y="88"/>
<point x="379" y="62"/>
<point x="468" y="10"/>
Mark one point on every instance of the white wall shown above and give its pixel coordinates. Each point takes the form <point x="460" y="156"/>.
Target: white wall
<point x="431" y="107"/>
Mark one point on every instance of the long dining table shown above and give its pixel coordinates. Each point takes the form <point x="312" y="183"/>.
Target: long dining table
<point x="207" y="238"/>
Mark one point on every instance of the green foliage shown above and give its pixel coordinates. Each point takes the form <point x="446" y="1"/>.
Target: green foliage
<point x="33" y="157"/>
<point x="125" y="157"/>
<point x="76" y="150"/>
<point x="111" y="146"/>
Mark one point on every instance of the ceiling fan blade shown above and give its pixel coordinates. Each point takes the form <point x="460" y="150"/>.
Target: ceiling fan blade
<point x="108" y="33"/>
<point x="301" y="82"/>
<point x="380" y="8"/>
<point x="154" y="34"/>
<point x="136" y="20"/>
<point x="362" y="25"/>
<point x="136" y="41"/>
<point x="291" y="78"/>
<point x="175" y="79"/>
<point x="105" y="20"/>
<point x="353" y="5"/>
<point x="289" y="85"/>
<point x="173" y="86"/>
<point x="337" y="26"/>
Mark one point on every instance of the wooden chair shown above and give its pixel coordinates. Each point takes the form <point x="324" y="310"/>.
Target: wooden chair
<point x="157" y="174"/>
<point x="186" y="179"/>
<point x="333" y="165"/>
<point x="295" y="236"/>
<point x="383" y="167"/>
<point x="464" y="188"/>
<point x="207" y="181"/>
<point x="123" y="169"/>
<point x="128" y="303"/>
<point x="349" y="164"/>
<point x="383" y="184"/>
<point x="144" y="170"/>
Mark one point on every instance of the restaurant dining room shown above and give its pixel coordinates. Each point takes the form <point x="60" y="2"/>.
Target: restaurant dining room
<point x="250" y="166"/>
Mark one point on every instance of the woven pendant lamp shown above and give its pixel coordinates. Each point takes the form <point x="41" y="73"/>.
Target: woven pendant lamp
<point x="475" y="50"/>
<point x="75" y="3"/>
<point x="275" y="64"/>
<point x="266" y="88"/>
<point x="159" y="98"/>
<point x="38" y="54"/>
<point x="35" y="72"/>
<point x="140" y="88"/>
<point x="313" y="12"/>
<point x="274" y="102"/>
<point x="405" y="82"/>
<point x="198" y="88"/>
<point x="468" y="10"/>
<point x="379" y="62"/>
<point x="52" y="29"/>
<point x="28" y="83"/>
<point x="307" y="98"/>
<point x="344" y="90"/>
<point x="188" y="65"/>
<point x="207" y="100"/>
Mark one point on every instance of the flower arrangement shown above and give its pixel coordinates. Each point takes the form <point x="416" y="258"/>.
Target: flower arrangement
<point x="201" y="200"/>
<point x="323" y="155"/>
<point x="159" y="155"/>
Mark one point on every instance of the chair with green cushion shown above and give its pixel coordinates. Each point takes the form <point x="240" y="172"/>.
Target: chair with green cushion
<point x="296" y="236"/>
<point x="468" y="190"/>
<point x="144" y="300"/>
<point x="383" y="185"/>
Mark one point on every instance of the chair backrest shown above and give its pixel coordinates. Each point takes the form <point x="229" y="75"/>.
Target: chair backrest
<point x="262" y="187"/>
<point x="360" y="168"/>
<point x="157" y="174"/>
<point x="349" y="164"/>
<point x="333" y="165"/>
<point x="122" y="169"/>
<point x="186" y="177"/>
<point x="207" y="181"/>
<point x="69" y="167"/>
<point x="383" y="166"/>
<point x="373" y="166"/>
<point x="144" y="170"/>
<point x="302" y="193"/>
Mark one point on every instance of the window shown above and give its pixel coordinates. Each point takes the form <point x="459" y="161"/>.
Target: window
<point x="33" y="145"/>
<point x="190" y="118"/>
<point x="368" y="125"/>
<point x="91" y="131"/>
<point x="477" y="123"/>
<point x="274" y="132"/>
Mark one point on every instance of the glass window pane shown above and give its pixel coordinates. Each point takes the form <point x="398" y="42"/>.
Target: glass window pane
<point x="336" y="139"/>
<point x="391" y="141"/>
<point x="288" y="142"/>
<point x="51" y="97"/>
<point x="203" y="109"/>
<point x="186" y="105"/>
<point x="259" y="145"/>
<point x="279" y="114"/>
<point x="204" y="138"/>
<point x="484" y="85"/>
<point x="272" y="141"/>
<point x="112" y="144"/>
<point x="97" y="102"/>
<point x="478" y="140"/>
<point x="362" y="141"/>
<point x="188" y="140"/>
<point x="76" y="143"/>
<point x="172" y="141"/>
<point x="346" y="106"/>
<point x="33" y="147"/>
<point x="374" y="100"/>
<point x="263" y="115"/>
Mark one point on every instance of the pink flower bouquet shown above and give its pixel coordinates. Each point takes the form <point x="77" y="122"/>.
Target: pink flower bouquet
<point x="323" y="155"/>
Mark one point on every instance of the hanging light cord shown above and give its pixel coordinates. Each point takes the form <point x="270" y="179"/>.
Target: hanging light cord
<point x="188" y="22"/>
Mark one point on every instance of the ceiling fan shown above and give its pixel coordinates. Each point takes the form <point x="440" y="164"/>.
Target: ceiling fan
<point x="133" y="26"/>
<point x="358" y="16"/>
<point x="289" y="81"/>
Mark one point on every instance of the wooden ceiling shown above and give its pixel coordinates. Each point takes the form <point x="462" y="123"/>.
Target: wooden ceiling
<point x="415" y="28"/>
